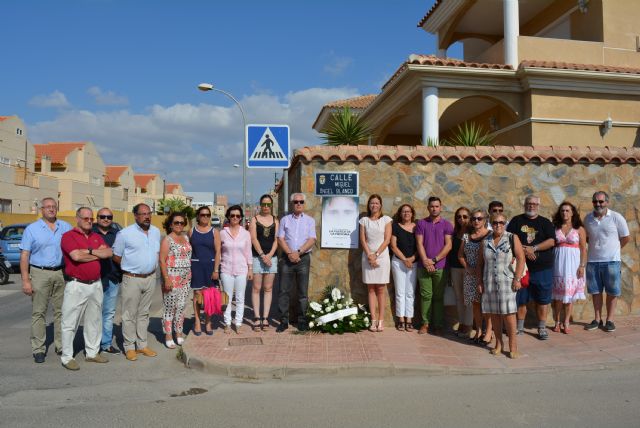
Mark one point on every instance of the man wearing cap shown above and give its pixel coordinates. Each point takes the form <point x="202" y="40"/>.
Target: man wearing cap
<point x="136" y="250"/>
<point x="82" y="249"/>
<point x="41" y="271"/>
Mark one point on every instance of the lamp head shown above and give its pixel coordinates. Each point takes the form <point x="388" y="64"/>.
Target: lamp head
<point x="205" y="87"/>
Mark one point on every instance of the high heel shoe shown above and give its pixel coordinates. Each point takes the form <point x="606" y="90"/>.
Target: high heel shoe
<point x="374" y="326"/>
<point x="556" y="328"/>
<point x="380" y="326"/>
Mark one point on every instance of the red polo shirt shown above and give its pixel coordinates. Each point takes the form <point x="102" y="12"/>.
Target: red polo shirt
<point x="75" y="239"/>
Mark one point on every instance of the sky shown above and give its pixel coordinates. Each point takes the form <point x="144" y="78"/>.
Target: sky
<point x="124" y="75"/>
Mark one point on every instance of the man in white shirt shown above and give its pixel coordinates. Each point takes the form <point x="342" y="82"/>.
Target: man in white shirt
<point x="607" y="234"/>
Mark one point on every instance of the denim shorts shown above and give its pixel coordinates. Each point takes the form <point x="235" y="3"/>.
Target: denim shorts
<point x="260" y="267"/>
<point x="604" y="276"/>
<point x="523" y="296"/>
<point x="540" y="286"/>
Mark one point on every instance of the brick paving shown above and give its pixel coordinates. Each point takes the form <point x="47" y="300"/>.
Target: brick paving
<point x="393" y="352"/>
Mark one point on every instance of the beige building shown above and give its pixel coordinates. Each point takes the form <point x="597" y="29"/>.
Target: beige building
<point x="118" y="183"/>
<point x="79" y="170"/>
<point x="148" y="190"/>
<point x="20" y="188"/>
<point x="544" y="72"/>
<point x="175" y="191"/>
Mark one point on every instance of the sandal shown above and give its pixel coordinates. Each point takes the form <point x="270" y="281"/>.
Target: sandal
<point x="557" y="328"/>
<point x="495" y="351"/>
<point x="380" y="326"/>
<point x="374" y="326"/>
<point x="265" y="324"/>
<point x="566" y="329"/>
<point x="408" y="326"/>
<point x="514" y="355"/>
<point x="257" y="326"/>
<point x="400" y="325"/>
<point x="209" y="332"/>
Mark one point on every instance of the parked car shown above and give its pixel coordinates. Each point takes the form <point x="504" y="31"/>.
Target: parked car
<point x="215" y="221"/>
<point x="10" y="238"/>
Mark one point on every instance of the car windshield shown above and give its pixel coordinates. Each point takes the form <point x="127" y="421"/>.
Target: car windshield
<point x="12" y="233"/>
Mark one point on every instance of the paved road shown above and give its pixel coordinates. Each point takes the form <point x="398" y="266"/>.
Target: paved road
<point x="162" y="392"/>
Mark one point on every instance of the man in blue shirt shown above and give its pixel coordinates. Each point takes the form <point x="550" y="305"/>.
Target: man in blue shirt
<point x="136" y="250"/>
<point x="111" y="276"/>
<point x="42" y="278"/>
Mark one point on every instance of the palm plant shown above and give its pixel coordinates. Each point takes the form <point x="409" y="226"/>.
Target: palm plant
<point x="345" y="128"/>
<point x="469" y="134"/>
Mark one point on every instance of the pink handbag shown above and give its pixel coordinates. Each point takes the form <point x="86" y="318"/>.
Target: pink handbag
<point x="212" y="301"/>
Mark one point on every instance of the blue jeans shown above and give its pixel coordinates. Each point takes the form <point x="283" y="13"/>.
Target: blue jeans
<point x="109" y="300"/>
<point x="604" y="276"/>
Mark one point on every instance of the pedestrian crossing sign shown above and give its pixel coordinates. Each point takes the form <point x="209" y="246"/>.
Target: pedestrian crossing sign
<point x="267" y="146"/>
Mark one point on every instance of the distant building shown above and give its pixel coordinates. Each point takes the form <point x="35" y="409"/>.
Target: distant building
<point x="222" y="200"/>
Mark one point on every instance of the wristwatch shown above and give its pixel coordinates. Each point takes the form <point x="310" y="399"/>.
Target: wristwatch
<point x="434" y="260"/>
<point x="90" y="251"/>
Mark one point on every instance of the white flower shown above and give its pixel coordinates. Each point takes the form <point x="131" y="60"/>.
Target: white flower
<point x="335" y="294"/>
<point x="335" y="325"/>
<point x="353" y="317"/>
<point x="339" y="306"/>
<point x="316" y="306"/>
<point x="329" y="309"/>
<point x="325" y="301"/>
<point x="350" y="322"/>
<point x="311" y="324"/>
<point x="350" y="301"/>
<point x="366" y="319"/>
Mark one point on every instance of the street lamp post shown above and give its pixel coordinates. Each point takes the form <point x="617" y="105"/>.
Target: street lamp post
<point x="209" y="87"/>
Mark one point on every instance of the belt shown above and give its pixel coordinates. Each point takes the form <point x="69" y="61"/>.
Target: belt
<point x="70" y="278"/>
<point x="137" y="275"/>
<point x="47" y="268"/>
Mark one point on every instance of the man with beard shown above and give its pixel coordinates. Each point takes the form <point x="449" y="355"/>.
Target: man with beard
<point x="136" y="250"/>
<point x="537" y="235"/>
<point x="607" y="234"/>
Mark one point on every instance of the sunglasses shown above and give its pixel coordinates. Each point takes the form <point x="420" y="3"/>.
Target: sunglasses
<point x="599" y="202"/>
<point x="86" y="218"/>
<point x="205" y="215"/>
<point x="105" y="217"/>
<point x="179" y="223"/>
<point x="266" y="204"/>
<point x="298" y="202"/>
<point x="464" y="217"/>
<point x="477" y="218"/>
<point x="498" y="223"/>
<point x="235" y="216"/>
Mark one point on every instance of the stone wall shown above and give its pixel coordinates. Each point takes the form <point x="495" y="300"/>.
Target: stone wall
<point x="473" y="177"/>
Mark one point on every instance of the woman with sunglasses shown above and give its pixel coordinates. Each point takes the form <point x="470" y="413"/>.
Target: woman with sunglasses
<point x="456" y="271"/>
<point x="205" y="263"/>
<point x="403" y="264"/>
<point x="263" y="230"/>
<point x="499" y="282"/>
<point x="570" y="254"/>
<point x="468" y="256"/>
<point x="375" y="235"/>
<point x="175" y="265"/>
<point x="236" y="265"/>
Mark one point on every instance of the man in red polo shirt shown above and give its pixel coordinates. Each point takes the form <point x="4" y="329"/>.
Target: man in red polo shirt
<point x="82" y="250"/>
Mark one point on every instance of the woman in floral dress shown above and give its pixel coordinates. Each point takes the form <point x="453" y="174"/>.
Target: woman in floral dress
<point x="175" y="264"/>
<point x="570" y="261"/>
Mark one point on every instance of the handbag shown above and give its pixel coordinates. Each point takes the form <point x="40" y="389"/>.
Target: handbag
<point x="212" y="301"/>
<point x="524" y="280"/>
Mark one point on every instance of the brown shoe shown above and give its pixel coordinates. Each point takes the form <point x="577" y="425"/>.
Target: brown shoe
<point x="131" y="355"/>
<point x="99" y="358"/>
<point x="147" y="352"/>
<point x="424" y="329"/>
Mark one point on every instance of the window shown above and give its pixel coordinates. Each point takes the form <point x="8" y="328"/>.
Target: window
<point x="18" y="131"/>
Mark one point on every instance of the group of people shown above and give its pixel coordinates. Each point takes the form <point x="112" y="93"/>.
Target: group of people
<point x="495" y="266"/>
<point x="82" y="270"/>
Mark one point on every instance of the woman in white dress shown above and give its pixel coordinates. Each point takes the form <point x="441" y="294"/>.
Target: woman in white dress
<point x="375" y="235"/>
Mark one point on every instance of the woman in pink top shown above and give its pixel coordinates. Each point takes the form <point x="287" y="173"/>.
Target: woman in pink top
<point x="236" y="264"/>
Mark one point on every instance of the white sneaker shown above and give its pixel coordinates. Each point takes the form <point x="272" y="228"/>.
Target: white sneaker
<point x="170" y="344"/>
<point x="180" y="340"/>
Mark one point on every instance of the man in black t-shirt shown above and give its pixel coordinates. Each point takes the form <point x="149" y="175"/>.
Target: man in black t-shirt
<point x="537" y="236"/>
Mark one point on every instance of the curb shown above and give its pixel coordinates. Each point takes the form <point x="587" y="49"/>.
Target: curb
<point x="254" y="372"/>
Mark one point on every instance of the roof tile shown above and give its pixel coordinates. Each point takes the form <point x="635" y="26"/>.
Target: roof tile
<point x="428" y="14"/>
<point x="57" y="152"/>
<point x="113" y="172"/>
<point x="570" y="154"/>
<point x="360" y="102"/>
<point x="578" y="67"/>
<point x="142" y="180"/>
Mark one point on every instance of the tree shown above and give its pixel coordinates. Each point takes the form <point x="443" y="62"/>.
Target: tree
<point x="175" y="205"/>
<point x="469" y="134"/>
<point x="346" y="128"/>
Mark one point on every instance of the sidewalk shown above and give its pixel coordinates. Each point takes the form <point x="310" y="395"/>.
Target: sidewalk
<point x="271" y="355"/>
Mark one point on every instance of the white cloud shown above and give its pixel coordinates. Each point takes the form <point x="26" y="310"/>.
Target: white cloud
<point x="55" y="99"/>
<point x="108" y="98"/>
<point x="196" y="145"/>
<point x="337" y="65"/>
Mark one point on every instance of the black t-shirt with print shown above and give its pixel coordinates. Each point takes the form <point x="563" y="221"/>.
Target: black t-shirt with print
<point x="532" y="232"/>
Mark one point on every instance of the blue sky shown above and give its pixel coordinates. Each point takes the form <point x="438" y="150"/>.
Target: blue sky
<point x="123" y="74"/>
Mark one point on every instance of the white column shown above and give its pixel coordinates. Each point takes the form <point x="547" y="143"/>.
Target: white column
<point x="429" y="114"/>
<point x="511" y="32"/>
